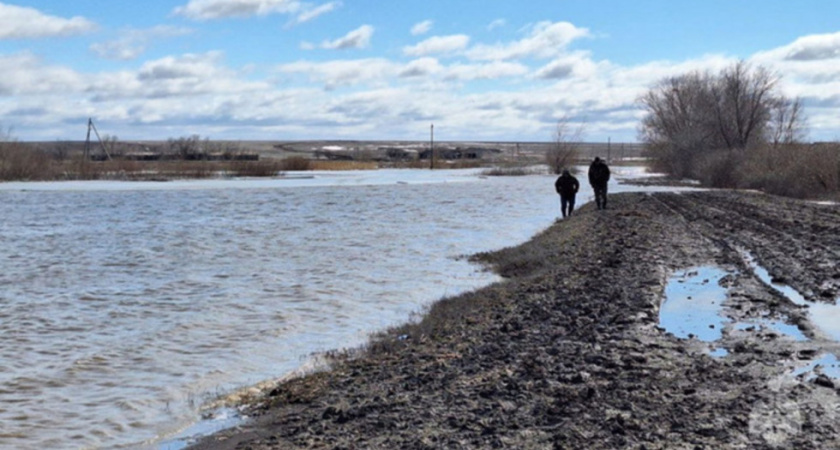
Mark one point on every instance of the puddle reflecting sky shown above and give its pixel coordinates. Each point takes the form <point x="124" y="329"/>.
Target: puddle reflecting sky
<point x="693" y="302"/>
<point x="828" y="365"/>
<point x="693" y="307"/>
<point x="791" y="331"/>
<point x="824" y="316"/>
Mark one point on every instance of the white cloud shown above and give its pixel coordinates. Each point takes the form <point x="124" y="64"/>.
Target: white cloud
<point x="421" y="67"/>
<point x="333" y="74"/>
<point x="809" y="67"/>
<point x="25" y="74"/>
<point x="358" y="38"/>
<point x="577" y="64"/>
<point x="510" y="90"/>
<point x="816" y="47"/>
<point x="498" y="23"/>
<point x="421" y="27"/>
<point x="812" y="60"/>
<point x="311" y="13"/>
<point x="133" y="42"/>
<point x="545" y="40"/>
<point x="489" y="71"/>
<point x="17" y="22"/>
<point x="220" y="9"/>
<point x="438" y="45"/>
<point x="186" y="66"/>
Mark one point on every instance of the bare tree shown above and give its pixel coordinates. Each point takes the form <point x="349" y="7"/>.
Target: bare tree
<point x="677" y="126"/>
<point x="187" y="148"/>
<point x="743" y="100"/>
<point x="691" y="115"/>
<point x="787" y="122"/>
<point x="565" y="148"/>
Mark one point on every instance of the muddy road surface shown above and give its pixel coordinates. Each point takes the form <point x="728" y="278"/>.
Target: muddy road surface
<point x="568" y="351"/>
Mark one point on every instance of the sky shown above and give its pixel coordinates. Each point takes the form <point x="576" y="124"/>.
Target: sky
<point x="478" y="70"/>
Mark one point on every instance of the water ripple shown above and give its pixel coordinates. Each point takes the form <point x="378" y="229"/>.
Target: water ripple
<point x="124" y="311"/>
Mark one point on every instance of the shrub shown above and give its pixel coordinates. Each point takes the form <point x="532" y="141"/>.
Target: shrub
<point x="296" y="163"/>
<point x="564" y="150"/>
<point x="19" y="162"/>
<point x="793" y="170"/>
<point x="718" y="169"/>
<point x="799" y="171"/>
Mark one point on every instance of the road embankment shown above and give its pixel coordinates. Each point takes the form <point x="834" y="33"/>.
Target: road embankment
<point x="568" y="352"/>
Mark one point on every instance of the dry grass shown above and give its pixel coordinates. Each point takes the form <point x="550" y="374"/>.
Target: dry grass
<point x="21" y="163"/>
<point x="343" y="165"/>
<point x="798" y="171"/>
<point x="267" y="168"/>
<point x="511" y="171"/>
<point x="296" y="163"/>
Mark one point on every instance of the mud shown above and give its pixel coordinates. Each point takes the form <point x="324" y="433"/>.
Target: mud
<point x="568" y="352"/>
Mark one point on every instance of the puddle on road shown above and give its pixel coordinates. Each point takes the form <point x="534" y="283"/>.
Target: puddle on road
<point x="693" y="304"/>
<point x="765" y="277"/>
<point x="827" y="364"/>
<point x="781" y="328"/>
<point x="719" y="352"/>
<point x="693" y="308"/>
<point x="824" y="316"/>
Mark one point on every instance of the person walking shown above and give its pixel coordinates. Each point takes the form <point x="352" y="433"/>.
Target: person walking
<point x="567" y="186"/>
<point x="599" y="176"/>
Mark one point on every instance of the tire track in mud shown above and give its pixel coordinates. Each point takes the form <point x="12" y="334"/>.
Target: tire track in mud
<point x="796" y="241"/>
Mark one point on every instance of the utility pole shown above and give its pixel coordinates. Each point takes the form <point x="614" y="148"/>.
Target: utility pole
<point x="87" y="140"/>
<point x="432" y="147"/>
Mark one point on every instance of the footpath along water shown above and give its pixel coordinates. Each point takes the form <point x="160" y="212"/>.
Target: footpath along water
<point x="127" y="306"/>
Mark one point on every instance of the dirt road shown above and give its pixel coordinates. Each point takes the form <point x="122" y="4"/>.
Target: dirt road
<point x="567" y="352"/>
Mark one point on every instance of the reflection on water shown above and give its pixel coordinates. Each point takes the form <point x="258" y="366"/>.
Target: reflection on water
<point x="693" y="302"/>
<point x="781" y="328"/>
<point x="693" y="308"/>
<point x="825" y="364"/>
<point x="824" y="316"/>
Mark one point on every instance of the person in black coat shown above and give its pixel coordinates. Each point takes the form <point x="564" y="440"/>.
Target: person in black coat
<point x="599" y="176"/>
<point x="567" y="186"/>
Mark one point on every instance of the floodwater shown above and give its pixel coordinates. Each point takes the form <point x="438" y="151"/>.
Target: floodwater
<point x="125" y="307"/>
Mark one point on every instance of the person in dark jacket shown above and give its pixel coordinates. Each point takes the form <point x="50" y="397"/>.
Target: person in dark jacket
<point x="567" y="186"/>
<point x="599" y="176"/>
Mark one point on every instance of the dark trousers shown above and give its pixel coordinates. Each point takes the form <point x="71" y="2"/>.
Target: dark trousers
<point x="567" y="204"/>
<point x="600" y="196"/>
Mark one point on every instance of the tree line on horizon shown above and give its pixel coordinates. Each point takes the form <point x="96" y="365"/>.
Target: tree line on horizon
<point x="735" y="129"/>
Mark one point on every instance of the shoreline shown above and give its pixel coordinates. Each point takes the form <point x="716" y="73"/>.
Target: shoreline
<point x="567" y="351"/>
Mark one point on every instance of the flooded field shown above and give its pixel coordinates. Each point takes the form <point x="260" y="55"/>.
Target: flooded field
<point x="127" y="306"/>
